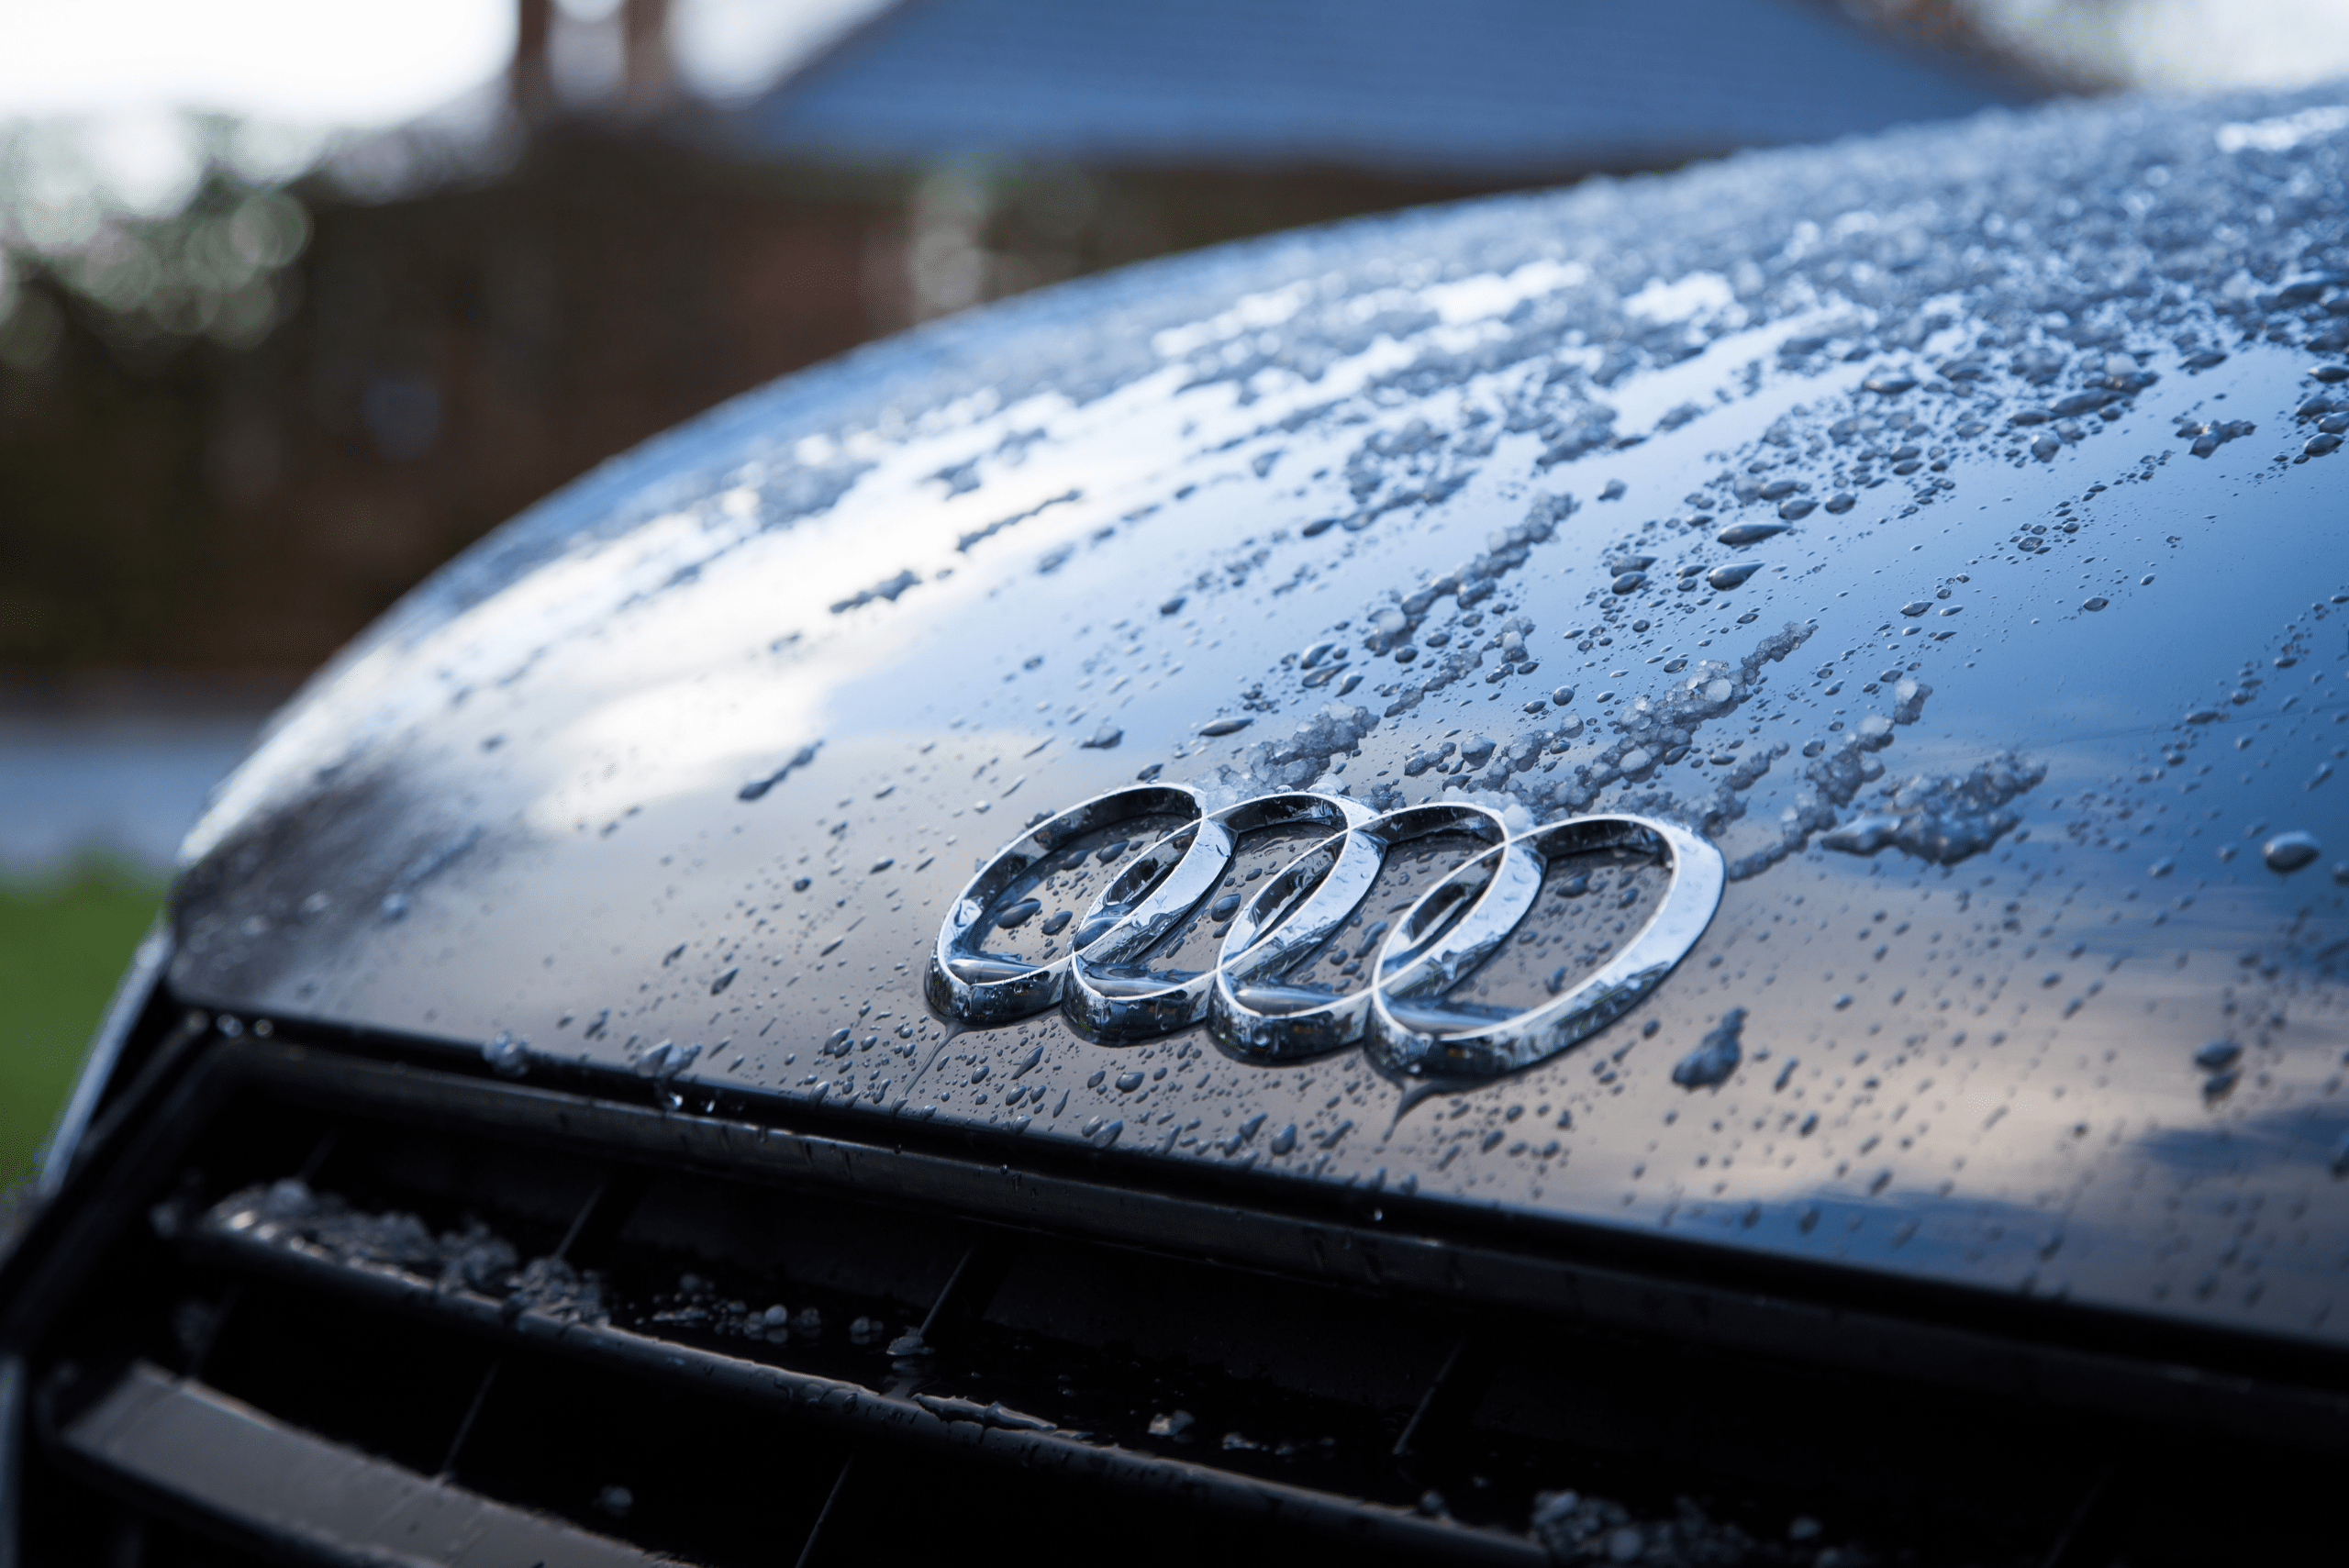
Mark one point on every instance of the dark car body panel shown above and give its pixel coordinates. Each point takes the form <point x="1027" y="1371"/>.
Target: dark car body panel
<point x="856" y="629"/>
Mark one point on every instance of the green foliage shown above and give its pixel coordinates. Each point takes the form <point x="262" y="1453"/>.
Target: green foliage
<point x="63" y="947"/>
<point x="197" y="247"/>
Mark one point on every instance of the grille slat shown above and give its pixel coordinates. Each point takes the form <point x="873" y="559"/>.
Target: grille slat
<point x="724" y="1342"/>
<point x="1696" y="1297"/>
<point x="200" y="1451"/>
<point x="960" y="1427"/>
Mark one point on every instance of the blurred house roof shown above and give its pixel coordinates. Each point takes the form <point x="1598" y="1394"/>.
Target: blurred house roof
<point x="1427" y="88"/>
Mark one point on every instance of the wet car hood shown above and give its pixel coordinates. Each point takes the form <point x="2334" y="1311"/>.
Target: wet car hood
<point x="679" y="772"/>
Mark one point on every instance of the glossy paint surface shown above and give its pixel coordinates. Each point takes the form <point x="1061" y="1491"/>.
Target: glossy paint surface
<point x="2020" y="981"/>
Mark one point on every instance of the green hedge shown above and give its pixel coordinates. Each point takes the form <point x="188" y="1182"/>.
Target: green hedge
<point x="63" y="947"/>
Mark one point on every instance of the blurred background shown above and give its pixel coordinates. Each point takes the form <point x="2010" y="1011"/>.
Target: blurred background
<point x="296" y="300"/>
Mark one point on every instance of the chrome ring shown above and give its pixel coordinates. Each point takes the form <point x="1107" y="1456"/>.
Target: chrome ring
<point x="984" y="989"/>
<point x="1249" y="1011"/>
<point x="1111" y="996"/>
<point x="1108" y="993"/>
<point x="1410" y="1031"/>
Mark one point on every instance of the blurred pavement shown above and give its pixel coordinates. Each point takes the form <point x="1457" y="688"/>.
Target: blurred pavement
<point x="117" y="775"/>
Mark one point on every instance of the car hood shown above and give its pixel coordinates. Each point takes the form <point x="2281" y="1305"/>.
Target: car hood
<point x="678" y="774"/>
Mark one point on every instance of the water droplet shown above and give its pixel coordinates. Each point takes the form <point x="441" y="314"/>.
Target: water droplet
<point x="666" y="1061"/>
<point x="1225" y="727"/>
<point x="757" y="788"/>
<point x="2095" y="603"/>
<point x="2287" y="852"/>
<point x="1018" y="914"/>
<point x="2217" y="1054"/>
<point x="507" y="1055"/>
<point x="1728" y="577"/>
<point x="1716" y="1057"/>
<point x="1749" y="533"/>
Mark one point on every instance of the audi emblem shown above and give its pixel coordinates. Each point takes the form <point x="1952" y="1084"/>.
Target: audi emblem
<point x="1253" y="997"/>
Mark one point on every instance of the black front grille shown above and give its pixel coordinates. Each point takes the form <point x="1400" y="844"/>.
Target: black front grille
<point x="669" y="1334"/>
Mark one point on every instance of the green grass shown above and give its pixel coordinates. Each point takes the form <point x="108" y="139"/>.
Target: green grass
<point x="63" y="947"/>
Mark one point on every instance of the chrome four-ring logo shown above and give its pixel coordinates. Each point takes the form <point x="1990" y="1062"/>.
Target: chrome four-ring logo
<point x="1249" y="998"/>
